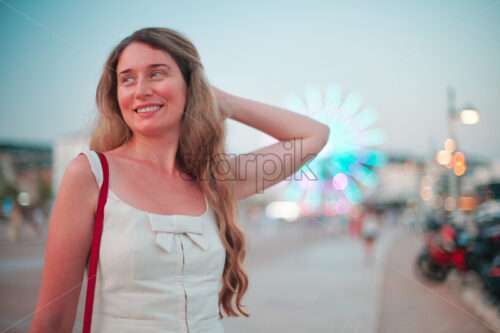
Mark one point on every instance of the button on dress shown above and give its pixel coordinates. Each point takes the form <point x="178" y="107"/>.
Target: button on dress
<point x="156" y="273"/>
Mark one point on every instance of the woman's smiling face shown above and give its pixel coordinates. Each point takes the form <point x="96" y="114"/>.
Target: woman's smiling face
<point x="151" y="90"/>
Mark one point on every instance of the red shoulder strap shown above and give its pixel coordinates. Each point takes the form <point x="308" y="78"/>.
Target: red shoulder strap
<point x="96" y="243"/>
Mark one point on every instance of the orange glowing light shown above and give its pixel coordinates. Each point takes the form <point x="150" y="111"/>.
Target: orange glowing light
<point x="459" y="169"/>
<point x="458" y="157"/>
<point x="467" y="203"/>
<point x="426" y="193"/>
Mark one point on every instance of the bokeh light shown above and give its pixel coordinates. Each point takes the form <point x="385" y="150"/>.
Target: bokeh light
<point x="467" y="203"/>
<point x="23" y="198"/>
<point x="330" y="208"/>
<point x="443" y="157"/>
<point x="426" y="193"/>
<point x="449" y="145"/>
<point x="286" y="210"/>
<point x="459" y="157"/>
<point x="459" y="166"/>
<point x="459" y="169"/>
<point x="342" y="206"/>
<point x="340" y="181"/>
<point x="469" y="116"/>
<point x="427" y="181"/>
<point x="450" y="204"/>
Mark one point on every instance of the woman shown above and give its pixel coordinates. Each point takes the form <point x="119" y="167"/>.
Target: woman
<point x="161" y="129"/>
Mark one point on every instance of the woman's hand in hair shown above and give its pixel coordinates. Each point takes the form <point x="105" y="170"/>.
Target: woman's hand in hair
<point x="300" y="139"/>
<point x="222" y="98"/>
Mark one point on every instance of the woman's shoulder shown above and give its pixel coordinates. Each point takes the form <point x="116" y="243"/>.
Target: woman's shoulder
<point x="79" y="166"/>
<point x="79" y="170"/>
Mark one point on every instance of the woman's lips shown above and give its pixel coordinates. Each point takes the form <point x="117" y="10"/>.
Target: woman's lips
<point x="149" y="113"/>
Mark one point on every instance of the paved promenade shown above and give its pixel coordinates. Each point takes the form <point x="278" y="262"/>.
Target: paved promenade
<point x="326" y="286"/>
<point x="302" y="279"/>
<point x="413" y="307"/>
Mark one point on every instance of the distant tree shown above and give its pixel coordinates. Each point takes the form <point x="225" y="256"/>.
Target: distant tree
<point x="7" y="189"/>
<point x="44" y="192"/>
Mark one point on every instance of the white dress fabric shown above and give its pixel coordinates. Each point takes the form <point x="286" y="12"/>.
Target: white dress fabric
<point x="156" y="273"/>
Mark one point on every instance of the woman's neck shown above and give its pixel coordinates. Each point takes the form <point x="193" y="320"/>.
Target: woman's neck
<point x="159" y="153"/>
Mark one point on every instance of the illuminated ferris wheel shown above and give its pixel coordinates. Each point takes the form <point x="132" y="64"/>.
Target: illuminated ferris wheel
<point x="334" y="179"/>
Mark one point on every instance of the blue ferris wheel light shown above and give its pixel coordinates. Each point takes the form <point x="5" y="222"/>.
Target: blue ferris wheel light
<point x="346" y="162"/>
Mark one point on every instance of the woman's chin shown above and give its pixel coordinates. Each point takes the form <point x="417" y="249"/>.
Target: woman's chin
<point x="154" y="130"/>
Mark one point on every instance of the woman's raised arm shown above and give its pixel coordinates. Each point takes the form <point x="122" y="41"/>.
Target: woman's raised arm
<point x="300" y="139"/>
<point x="68" y="244"/>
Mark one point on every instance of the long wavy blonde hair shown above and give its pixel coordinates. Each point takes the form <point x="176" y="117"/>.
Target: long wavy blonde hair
<point x="201" y="151"/>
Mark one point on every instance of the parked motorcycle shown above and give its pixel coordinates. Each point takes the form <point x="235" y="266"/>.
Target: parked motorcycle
<point x="450" y="247"/>
<point x="442" y="252"/>
<point x="485" y="254"/>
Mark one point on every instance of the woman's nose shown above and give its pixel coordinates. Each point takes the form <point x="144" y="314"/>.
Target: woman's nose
<point x="143" y="88"/>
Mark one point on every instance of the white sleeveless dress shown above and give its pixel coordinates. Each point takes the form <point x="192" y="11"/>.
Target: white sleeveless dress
<point x="156" y="273"/>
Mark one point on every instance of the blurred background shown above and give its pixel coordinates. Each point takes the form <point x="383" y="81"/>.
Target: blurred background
<point x="393" y="227"/>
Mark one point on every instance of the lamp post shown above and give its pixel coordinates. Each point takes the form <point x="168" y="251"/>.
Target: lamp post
<point x="469" y="116"/>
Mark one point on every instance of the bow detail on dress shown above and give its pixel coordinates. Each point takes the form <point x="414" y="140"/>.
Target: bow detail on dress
<point x="167" y="226"/>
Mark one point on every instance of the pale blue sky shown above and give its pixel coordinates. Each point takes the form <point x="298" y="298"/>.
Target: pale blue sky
<point x="399" y="55"/>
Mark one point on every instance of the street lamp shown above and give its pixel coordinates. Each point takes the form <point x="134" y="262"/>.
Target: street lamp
<point x="468" y="116"/>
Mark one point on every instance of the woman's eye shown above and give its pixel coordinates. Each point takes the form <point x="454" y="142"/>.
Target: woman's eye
<point x="126" y="79"/>
<point x="156" y="74"/>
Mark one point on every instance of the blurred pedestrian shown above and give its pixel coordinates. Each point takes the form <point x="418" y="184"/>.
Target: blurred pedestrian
<point x="355" y="222"/>
<point x="15" y="221"/>
<point x="370" y="231"/>
<point x="35" y="222"/>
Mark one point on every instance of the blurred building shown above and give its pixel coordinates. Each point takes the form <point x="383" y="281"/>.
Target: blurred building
<point x="65" y="149"/>
<point x="398" y="181"/>
<point x="26" y="168"/>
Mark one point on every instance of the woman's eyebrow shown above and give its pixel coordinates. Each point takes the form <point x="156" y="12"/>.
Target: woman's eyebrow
<point x="150" y="66"/>
<point x="159" y="65"/>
